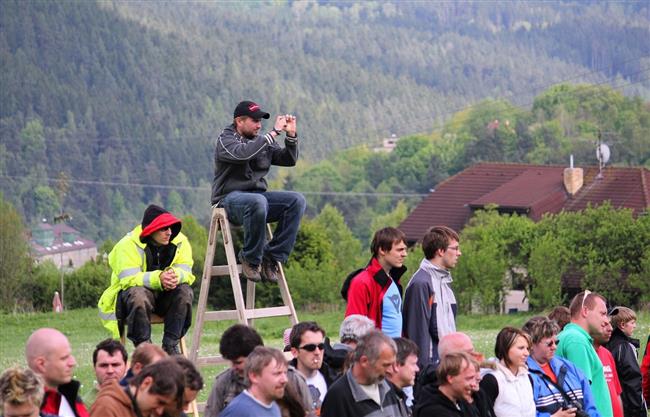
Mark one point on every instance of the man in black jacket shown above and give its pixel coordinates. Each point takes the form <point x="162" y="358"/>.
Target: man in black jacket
<point x="363" y="391"/>
<point x="401" y="375"/>
<point x="242" y="159"/>
<point x="457" y="373"/>
<point x="624" y="350"/>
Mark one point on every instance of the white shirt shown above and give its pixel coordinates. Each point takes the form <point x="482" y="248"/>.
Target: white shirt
<point x="64" y="408"/>
<point x="317" y="382"/>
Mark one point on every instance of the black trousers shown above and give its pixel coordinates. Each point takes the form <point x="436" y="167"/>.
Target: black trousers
<point x="135" y="305"/>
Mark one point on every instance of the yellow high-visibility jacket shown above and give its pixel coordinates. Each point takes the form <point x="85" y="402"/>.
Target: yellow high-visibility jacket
<point x="129" y="265"/>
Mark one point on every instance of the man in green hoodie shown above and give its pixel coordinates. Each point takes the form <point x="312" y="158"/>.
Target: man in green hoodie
<point x="152" y="273"/>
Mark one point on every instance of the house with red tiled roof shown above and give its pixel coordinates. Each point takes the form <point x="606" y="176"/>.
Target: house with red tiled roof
<point x="529" y="190"/>
<point x="61" y="244"/>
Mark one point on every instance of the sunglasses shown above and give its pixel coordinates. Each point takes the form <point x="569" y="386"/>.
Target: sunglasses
<point x="312" y="347"/>
<point x="551" y="343"/>
<point x="584" y="297"/>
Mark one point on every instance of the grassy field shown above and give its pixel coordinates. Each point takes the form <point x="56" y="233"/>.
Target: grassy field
<point x="84" y="331"/>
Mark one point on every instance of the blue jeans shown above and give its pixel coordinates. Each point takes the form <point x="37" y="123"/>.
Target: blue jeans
<point x="254" y="210"/>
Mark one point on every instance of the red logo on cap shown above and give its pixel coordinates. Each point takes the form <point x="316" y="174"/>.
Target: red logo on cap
<point x="253" y="107"/>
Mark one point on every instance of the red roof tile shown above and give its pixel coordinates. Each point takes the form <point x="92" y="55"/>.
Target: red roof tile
<point x="530" y="189"/>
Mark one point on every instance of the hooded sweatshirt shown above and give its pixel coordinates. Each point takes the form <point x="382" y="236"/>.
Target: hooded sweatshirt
<point x="113" y="401"/>
<point x="435" y="403"/>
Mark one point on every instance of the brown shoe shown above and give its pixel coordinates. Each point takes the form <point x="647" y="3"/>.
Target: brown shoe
<point x="270" y="270"/>
<point x="250" y="272"/>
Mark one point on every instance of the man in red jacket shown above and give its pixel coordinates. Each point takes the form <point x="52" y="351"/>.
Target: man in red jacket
<point x="375" y="291"/>
<point x="49" y="355"/>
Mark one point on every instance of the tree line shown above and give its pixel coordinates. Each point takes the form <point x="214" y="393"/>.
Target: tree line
<point x="607" y="247"/>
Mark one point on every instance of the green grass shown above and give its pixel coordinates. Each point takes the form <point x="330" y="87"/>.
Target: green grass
<point x="84" y="331"/>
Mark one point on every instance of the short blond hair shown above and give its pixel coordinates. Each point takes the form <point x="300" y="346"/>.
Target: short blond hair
<point x="621" y="315"/>
<point x="452" y="364"/>
<point x="19" y="386"/>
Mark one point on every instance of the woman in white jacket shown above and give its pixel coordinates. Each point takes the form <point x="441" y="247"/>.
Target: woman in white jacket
<point x="509" y="386"/>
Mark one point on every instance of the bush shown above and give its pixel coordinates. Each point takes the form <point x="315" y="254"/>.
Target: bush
<point x="84" y="286"/>
<point x="37" y="290"/>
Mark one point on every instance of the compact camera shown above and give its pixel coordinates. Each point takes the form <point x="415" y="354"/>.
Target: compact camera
<point x="578" y="406"/>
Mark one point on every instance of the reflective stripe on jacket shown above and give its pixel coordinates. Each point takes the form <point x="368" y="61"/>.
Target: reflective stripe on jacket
<point x="129" y="265"/>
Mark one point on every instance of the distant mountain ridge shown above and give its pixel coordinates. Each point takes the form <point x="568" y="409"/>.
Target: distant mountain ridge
<point x="136" y="92"/>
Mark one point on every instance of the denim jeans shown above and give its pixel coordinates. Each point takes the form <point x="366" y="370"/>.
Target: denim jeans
<point x="136" y="304"/>
<point x="254" y="210"/>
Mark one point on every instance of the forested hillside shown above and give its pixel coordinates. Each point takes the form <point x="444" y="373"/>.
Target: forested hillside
<point x="115" y="96"/>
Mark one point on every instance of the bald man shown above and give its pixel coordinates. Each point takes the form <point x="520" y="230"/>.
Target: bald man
<point x="48" y="354"/>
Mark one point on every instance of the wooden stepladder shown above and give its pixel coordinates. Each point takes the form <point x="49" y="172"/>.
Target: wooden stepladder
<point x="245" y="312"/>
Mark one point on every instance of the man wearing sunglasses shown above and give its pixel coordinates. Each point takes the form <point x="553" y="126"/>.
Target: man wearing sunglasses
<point x="152" y="273"/>
<point x="588" y="318"/>
<point x="307" y="341"/>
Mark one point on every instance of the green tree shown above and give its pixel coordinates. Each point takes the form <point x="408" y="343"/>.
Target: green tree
<point x="312" y="273"/>
<point x="548" y="262"/>
<point x="15" y="260"/>
<point x="198" y="237"/>
<point x="346" y="248"/>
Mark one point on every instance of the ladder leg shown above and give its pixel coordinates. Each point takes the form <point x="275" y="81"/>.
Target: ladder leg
<point x="284" y="287"/>
<point x="205" y="286"/>
<point x="232" y="268"/>
<point x="250" y="299"/>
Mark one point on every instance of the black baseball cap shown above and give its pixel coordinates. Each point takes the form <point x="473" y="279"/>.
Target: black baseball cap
<point x="250" y="109"/>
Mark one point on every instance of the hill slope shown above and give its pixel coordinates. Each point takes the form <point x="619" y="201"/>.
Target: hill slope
<point x="135" y="92"/>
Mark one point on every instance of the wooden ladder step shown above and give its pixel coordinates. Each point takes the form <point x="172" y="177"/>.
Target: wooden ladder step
<point x="223" y="270"/>
<point x="211" y="360"/>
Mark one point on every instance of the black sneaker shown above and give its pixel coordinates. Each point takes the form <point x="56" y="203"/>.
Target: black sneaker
<point x="270" y="270"/>
<point x="172" y="349"/>
<point x="250" y="272"/>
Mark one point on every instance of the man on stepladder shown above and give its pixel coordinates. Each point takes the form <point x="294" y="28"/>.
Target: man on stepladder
<point x="242" y="158"/>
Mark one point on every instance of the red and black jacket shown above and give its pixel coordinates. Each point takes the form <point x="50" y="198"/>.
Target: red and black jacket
<point x="364" y="290"/>
<point x="52" y="399"/>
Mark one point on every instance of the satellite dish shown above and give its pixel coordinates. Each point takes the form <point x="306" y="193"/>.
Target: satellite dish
<point x="602" y="153"/>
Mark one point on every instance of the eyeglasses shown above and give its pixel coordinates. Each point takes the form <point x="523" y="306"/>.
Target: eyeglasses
<point x="584" y="297"/>
<point x="551" y="343"/>
<point x="312" y="347"/>
<point x="454" y="248"/>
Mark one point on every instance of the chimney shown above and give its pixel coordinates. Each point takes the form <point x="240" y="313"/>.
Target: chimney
<point x="573" y="178"/>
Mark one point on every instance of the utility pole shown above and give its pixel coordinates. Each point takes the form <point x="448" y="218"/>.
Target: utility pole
<point x="62" y="187"/>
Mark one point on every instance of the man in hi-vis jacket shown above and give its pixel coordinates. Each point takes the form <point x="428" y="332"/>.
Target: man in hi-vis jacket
<point x="152" y="273"/>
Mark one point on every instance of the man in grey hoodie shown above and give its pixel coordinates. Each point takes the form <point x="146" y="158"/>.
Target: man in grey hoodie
<point x="429" y="302"/>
